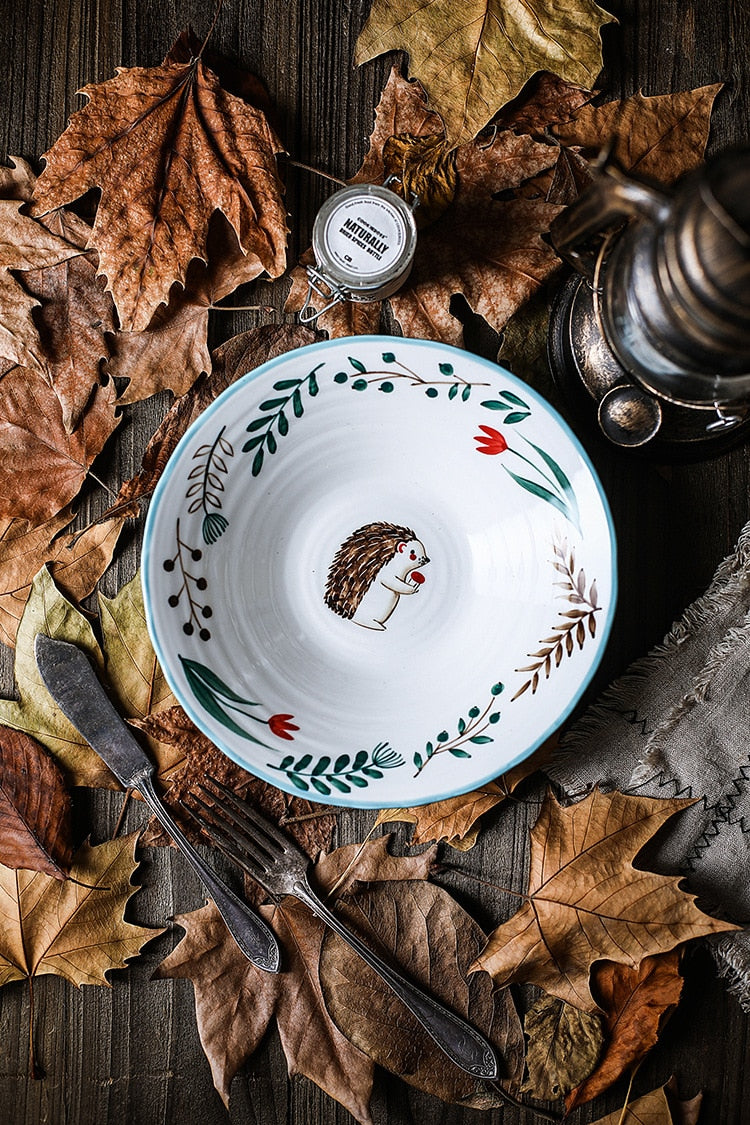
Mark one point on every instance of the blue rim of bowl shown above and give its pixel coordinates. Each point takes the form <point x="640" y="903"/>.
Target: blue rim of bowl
<point x="237" y="388"/>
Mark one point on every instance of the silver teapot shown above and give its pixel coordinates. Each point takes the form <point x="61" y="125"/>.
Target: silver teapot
<point x="654" y="325"/>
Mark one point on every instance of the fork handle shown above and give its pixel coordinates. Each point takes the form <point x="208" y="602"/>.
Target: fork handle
<point x="461" y="1042"/>
<point x="253" y="936"/>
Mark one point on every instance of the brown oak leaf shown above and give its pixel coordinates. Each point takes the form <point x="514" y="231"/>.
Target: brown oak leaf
<point x="35" y="809"/>
<point x="658" y="137"/>
<point x="42" y="465"/>
<point x="487" y="249"/>
<point x="167" y="147"/>
<point x="472" y="58"/>
<point x="586" y="900"/>
<point x="636" y="1004"/>
<point x="235" y="1001"/>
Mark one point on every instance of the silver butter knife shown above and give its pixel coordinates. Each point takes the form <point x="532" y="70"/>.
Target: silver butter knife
<point x="72" y="682"/>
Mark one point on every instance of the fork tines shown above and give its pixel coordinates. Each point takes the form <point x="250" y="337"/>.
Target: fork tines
<point x="242" y="834"/>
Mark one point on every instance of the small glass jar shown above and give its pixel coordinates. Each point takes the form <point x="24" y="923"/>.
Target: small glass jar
<point x="364" y="238"/>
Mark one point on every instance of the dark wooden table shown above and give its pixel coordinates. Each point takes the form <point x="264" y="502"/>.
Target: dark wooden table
<point x="131" y="1054"/>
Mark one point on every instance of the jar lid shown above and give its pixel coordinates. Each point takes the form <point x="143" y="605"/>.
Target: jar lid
<point x="364" y="239"/>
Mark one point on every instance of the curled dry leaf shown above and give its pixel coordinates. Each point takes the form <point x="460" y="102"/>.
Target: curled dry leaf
<point x="235" y="1001"/>
<point x="489" y="250"/>
<point x="586" y="900"/>
<point x="76" y="562"/>
<point x="453" y="820"/>
<point x="72" y="928"/>
<point x="42" y="466"/>
<point x="474" y="57"/>
<point x="167" y="147"/>
<point x="35" y="810"/>
<point x="441" y="940"/>
<point x="564" y="1046"/>
<point x="636" y="1004"/>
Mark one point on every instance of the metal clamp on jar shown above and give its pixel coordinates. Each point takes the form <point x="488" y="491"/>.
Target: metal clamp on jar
<point x="364" y="238"/>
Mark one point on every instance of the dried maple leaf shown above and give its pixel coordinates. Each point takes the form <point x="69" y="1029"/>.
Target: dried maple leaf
<point x="25" y="244"/>
<point x="72" y="928"/>
<point x="235" y="1001"/>
<point x="564" y="1046"/>
<point x="659" y="137"/>
<point x="587" y="902"/>
<point x="167" y="147"/>
<point x="76" y="562"/>
<point x="35" y="810"/>
<point x="17" y="182"/>
<point x="489" y="250"/>
<point x="36" y="713"/>
<point x="42" y="466"/>
<point x="455" y="820"/>
<point x="474" y="57"/>
<point x="441" y="939"/>
<point x="636" y="1003"/>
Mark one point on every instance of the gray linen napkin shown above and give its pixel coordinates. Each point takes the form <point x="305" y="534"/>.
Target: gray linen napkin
<point x="677" y="723"/>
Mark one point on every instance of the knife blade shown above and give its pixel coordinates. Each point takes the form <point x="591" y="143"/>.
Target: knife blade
<point x="72" y="682"/>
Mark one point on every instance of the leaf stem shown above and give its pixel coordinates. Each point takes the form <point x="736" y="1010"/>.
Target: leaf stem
<point x="315" y="171"/>
<point x="219" y="6"/>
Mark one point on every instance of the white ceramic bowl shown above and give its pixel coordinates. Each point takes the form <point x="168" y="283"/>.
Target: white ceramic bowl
<point x="379" y="572"/>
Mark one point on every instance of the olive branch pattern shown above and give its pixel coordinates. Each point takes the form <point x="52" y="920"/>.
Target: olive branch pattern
<point x="385" y="380"/>
<point x="274" y="421"/>
<point x="468" y="731"/>
<point x="342" y="774"/>
<point x="204" y="491"/>
<point x="578" y="621"/>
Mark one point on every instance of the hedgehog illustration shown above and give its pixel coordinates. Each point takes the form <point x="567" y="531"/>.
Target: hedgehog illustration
<point x="371" y="570"/>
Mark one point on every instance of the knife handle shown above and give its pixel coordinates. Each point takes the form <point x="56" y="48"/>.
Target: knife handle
<point x="256" y="940"/>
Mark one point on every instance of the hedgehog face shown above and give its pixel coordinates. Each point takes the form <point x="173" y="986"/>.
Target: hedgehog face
<point x="413" y="554"/>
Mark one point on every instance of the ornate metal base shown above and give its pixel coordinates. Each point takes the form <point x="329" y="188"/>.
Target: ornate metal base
<point x="598" y="387"/>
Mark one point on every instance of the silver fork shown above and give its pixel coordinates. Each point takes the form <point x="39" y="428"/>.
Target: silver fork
<point x="280" y="867"/>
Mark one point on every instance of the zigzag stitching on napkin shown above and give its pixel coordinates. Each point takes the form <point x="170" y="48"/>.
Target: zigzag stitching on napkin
<point x="722" y="811"/>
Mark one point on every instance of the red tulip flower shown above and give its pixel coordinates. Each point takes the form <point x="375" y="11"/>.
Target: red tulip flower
<point x="281" y="726"/>
<point x="492" y="443"/>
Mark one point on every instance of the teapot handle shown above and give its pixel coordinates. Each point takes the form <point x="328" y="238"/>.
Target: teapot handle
<point x="611" y="197"/>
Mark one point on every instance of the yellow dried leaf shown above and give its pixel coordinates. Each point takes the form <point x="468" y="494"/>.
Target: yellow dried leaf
<point x="72" y="928"/>
<point x="474" y="57"/>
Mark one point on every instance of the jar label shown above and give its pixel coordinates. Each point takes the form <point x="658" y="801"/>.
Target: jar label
<point x="365" y="236"/>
